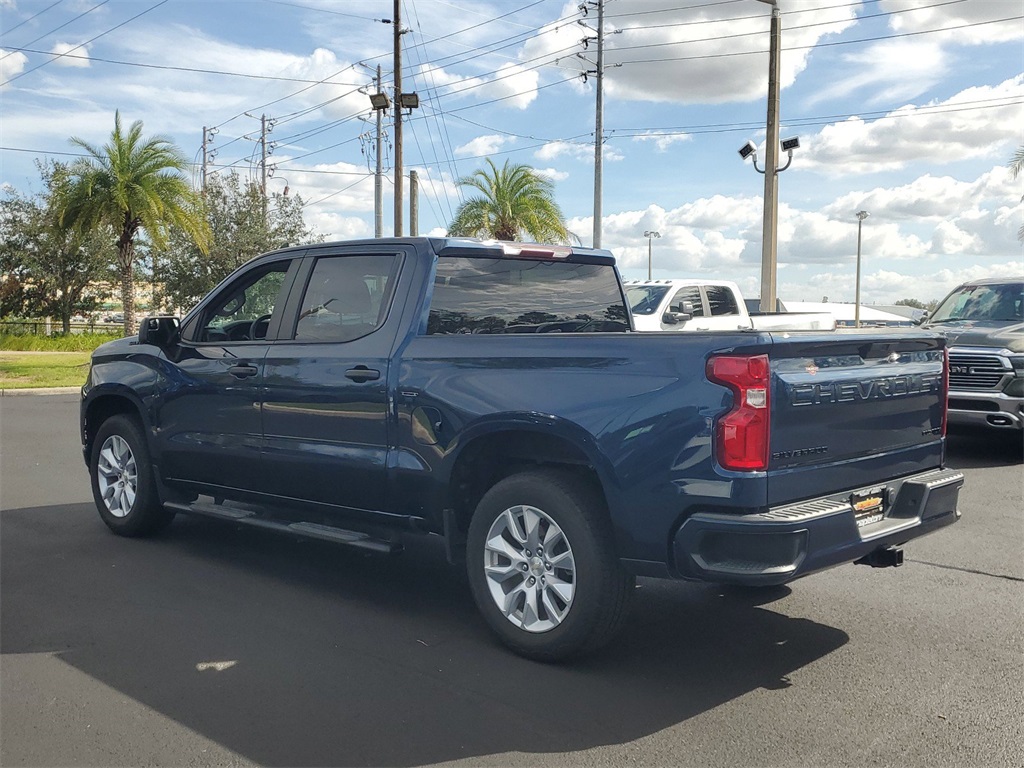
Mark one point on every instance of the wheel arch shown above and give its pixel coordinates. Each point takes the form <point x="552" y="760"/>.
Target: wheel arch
<point x="495" y="450"/>
<point x="102" y="405"/>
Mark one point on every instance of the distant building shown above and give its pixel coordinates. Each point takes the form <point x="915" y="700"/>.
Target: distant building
<point x="844" y="313"/>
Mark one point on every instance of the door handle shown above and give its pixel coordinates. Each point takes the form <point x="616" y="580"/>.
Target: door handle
<point x="362" y="373"/>
<point x="243" y="370"/>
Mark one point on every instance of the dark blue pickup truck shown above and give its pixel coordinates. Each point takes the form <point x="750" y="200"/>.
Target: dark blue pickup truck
<point x="495" y="394"/>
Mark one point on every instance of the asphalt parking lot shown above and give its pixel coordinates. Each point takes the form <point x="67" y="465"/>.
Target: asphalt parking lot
<point x="216" y="646"/>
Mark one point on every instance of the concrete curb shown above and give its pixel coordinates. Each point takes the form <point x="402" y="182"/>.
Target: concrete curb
<point x="40" y="391"/>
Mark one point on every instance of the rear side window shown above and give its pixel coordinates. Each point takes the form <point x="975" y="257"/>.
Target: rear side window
<point x="519" y="296"/>
<point x="690" y="293"/>
<point x="347" y="297"/>
<point x="721" y="300"/>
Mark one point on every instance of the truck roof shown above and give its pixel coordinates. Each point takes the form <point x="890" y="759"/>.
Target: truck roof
<point x="680" y="282"/>
<point x="471" y="246"/>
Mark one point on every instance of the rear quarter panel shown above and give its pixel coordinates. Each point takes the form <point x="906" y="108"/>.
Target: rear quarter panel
<point x="637" y="405"/>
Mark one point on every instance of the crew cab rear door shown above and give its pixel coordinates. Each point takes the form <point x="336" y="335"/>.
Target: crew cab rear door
<point x="850" y="409"/>
<point x="326" y="418"/>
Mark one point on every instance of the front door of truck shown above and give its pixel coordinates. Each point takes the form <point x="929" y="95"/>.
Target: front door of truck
<point x="326" y="417"/>
<point x="209" y="429"/>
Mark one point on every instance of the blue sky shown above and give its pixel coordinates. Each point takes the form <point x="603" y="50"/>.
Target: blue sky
<point x="909" y="110"/>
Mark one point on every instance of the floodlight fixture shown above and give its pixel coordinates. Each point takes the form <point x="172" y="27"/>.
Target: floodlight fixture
<point x="788" y="145"/>
<point x="747" y="150"/>
<point x="409" y="100"/>
<point x="380" y="100"/>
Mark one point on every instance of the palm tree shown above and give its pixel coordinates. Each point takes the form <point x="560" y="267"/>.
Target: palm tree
<point x="516" y="203"/>
<point x="136" y="186"/>
<point x="1016" y="166"/>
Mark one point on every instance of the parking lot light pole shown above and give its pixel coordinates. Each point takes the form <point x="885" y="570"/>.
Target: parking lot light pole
<point x="861" y="215"/>
<point x="650" y="235"/>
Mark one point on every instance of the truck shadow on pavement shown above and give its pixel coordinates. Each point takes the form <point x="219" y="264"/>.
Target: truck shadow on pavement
<point x="346" y="659"/>
<point x="968" y="448"/>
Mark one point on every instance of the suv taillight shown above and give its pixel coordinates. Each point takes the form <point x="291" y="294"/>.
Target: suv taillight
<point x="741" y="435"/>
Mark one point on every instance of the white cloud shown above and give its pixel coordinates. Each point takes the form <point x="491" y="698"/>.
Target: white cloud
<point x="965" y="22"/>
<point x="576" y="150"/>
<point x="509" y="85"/>
<point x="977" y="122"/>
<point x="552" y="174"/>
<point x="12" y="63"/>
<point x="662" y="140"/>
<point x="894" y="70"/>
<point x="515" y="86"/>
<point x="710" y="53"/>
<point x="482" y="146"/>
<point x="79" y="57"/>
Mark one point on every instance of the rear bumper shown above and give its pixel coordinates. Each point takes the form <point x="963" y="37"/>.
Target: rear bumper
<point x="788" y="542"/>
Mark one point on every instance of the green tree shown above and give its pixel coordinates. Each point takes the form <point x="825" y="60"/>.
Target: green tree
<point x="1016" y="166"/>
<point x="515" y="203"/>
<point x="910" y="303"/>
<point x="58" y="270"/>
<point x="135" y="186"/>
<point x="234" y="215"/>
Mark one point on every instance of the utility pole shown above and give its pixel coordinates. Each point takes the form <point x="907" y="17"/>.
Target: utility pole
<point x="378" y="179"/>
<point x="263" y="165"/>
<point x="414" y="204"/>
<point x="208" y="155"/>
<point x="397" y="22"/>
<point x="599" y="128"/>
<point x="202" y="172"/>
<point x="650" y="234"/>
<point x="769" y="253"/>
<point x="861" y="215"/>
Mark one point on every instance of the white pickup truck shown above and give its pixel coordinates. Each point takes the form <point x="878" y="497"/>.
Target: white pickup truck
<point x="708" y="305"/>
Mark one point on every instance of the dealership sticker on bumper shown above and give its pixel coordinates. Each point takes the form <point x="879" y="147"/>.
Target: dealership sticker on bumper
<point x="868" y="506"/>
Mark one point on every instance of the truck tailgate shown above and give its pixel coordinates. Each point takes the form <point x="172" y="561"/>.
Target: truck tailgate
<point x="853" y="409"/>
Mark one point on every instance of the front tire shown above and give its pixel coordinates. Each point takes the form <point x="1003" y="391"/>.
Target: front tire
<point x="121" y="476"/>
<point x="542" y="566"/>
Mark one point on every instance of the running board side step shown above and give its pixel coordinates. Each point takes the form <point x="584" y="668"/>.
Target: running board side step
<point x="330" y="533"/>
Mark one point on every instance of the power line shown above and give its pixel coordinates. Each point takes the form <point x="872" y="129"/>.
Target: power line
<point x="34" y="15"/>
<point x="172" y="68"/>
<point x="82" y="45"/>
<point x="761" y="32"/>
<point x="820" y="45"/>
<point x="326" y="10"/>
<point x="441" y="132"/>
<point x="57" y="29"/>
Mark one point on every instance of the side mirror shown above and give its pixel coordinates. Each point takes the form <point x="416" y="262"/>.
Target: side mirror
<point x="678" y="313"/>
<point x="158" y="331"/>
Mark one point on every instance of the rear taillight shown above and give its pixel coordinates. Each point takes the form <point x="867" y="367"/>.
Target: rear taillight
<point x="945" y="389"/>
<point x="741" y="435"/>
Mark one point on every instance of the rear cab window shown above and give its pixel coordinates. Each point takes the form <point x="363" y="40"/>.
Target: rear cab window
<point x="721" y="300"/>
<point x="346" y="298"/>
<point x="501" y="296"/>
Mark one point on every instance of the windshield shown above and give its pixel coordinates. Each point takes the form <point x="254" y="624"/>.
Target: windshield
<point x="982" y="302"/>
<point x="644" y="299"/>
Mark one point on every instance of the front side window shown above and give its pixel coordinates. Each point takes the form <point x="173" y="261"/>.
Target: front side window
<point x="347" y="297"/>
<point x="474" y="295"/>
<point x="243" y="311"/>
<point x="690" y="293"/>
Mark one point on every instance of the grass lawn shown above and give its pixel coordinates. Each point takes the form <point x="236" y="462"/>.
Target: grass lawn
<point x="21" y="370"/>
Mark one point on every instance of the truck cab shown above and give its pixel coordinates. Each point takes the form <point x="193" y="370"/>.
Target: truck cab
<point x="686" y="305"/>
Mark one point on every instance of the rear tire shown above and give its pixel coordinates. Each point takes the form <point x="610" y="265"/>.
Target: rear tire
<point x="542" y="566"/>
<point x="121" y="476"/>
